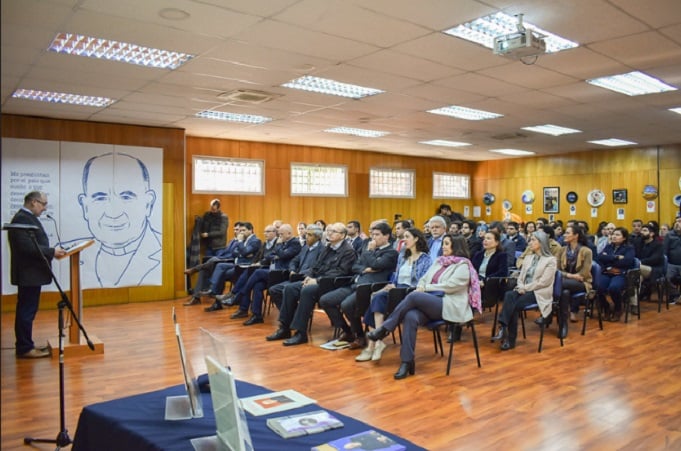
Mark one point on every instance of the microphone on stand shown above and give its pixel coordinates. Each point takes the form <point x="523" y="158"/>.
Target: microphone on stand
<point x="49" y="216"/>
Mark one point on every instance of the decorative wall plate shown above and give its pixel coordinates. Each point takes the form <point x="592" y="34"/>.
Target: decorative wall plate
<point x="595" y="198"/>
<point x="527" y="197"/>
<point x="488" y="199"/>
<point x="571" y="197"/>
<point x="507" y="205"/>
<point x="649" y="192"/>
<point x="677" y="200"/>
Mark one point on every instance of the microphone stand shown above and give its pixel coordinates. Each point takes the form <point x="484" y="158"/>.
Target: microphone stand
<point x="63" y="438"/>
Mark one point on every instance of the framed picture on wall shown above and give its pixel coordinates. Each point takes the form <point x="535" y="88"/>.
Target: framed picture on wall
<point x="551" y="199"/>
<point x="619" y="196"/>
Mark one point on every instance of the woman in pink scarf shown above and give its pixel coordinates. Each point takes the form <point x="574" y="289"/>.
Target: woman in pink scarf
<point x="449" y="290"/>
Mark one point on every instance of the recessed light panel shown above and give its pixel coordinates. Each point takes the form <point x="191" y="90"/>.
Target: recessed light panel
<point x="332" y="87"/>
<point x="469" y="114"/>
<point x="62" y="97"/>
<point x="75" y="44"/>
<point x="632" y="84"/>
<point x="233" y="117"/>
<point x="444" y="143"/>
<point x="484" y="29"/>
<point x="613" y="142"/>
<point x="554" y="130"/>
<point x="512" y="152"/>
<point x="357" y="132"/>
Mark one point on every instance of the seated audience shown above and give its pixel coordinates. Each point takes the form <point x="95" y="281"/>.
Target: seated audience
<point x="335" y="259"/>
<point x="651" y="255"/>
<point x="449" y="290"/>
<point x="491" y="261"/>
<point x="375" y="264"/>
<point x="206" y="268"/>
<point x="468" y="231"/>
<point x="574" y="263"/>
<point x="412" y="264"/>
<point x="279" y="257"/>
<point x="672" y="249"/>
<point x="615" y="260"/>
<point x="246" y="249"/>
<point x="534" y="286"/>
<point x="301" y="265"/>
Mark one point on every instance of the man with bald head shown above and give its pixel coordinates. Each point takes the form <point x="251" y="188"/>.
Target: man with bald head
<point x="335" y="260"/>
<point x="117" y="202"/>
<point x="285" y="249"/>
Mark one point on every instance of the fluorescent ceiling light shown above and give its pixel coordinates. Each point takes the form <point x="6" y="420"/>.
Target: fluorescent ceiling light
<point x="233" y="117"/>
<point x="514" y="152"/>
<point x="335" y="88"/>
<point x="444" y="143"/>
<point x="676" y="110"/>
<point x="62" y="97"/>
<point x="632" y="84"/>
<point x="465" y="113"/>
<point x="357" y="132"/>
<point x="484" y="29"/>
<point x="554" y="130"/>
<point x="75" y="44"/>
<point x="612" y="142"/>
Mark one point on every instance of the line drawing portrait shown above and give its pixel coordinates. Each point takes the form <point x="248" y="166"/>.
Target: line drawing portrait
<point x="117" y="209"/>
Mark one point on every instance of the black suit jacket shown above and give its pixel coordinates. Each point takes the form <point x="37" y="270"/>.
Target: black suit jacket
<point x="383" y="261"/>
<point x="496" y="267"/>
<point x="334" y="262"/>
<point x="27" y="267"/>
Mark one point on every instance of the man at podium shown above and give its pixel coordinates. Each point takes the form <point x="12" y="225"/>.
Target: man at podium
<point x="30" y="270"/>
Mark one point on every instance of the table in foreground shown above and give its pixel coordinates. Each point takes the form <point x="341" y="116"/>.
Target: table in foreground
<point x="137" y="423"/>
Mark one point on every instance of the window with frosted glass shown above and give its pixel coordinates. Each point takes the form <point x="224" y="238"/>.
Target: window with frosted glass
<point x="391" y="183"/>
<point x="319" y="180"/>
<point x="228" y="176"/>
<point x="451" y="186"/>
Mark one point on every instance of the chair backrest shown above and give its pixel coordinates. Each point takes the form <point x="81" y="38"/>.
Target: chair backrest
<point x="595" y="274"/>
<point x="395" y="296"/>
<point x="557" y="285"/>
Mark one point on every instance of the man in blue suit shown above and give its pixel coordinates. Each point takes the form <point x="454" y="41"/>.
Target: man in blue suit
<point x="438" y="229"/>
<point x="245" y="251"/>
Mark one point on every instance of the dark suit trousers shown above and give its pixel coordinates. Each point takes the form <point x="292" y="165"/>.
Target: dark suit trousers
<point x="256" y="283"/>
<point x="417" y="309"/>
<point x="28" y="301"/>
<point x="297" y="306"/>
<point x="514" y="303"/>
<point x="331" y="303"/>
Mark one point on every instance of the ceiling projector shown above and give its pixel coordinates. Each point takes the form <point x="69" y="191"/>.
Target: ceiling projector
<point x="519" y="44"/>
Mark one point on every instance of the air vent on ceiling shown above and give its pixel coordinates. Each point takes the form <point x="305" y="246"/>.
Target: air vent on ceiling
<point x="505" y="136"/>
<point x="247" y="96"/>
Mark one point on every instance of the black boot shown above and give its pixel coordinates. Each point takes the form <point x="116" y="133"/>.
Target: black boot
<point x="405" y="368"/>
<point x="378" y="334"/>
<point x="503" y="333"/>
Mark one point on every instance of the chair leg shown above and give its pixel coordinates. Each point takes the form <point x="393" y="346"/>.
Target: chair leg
<point x="449" y="359"/>
<point x="541" y="337"/>
<point x="494" y="324"/>
<point x="522" y="322"/>
<point x="586" y="312"/>
<point x="475" y="342"/>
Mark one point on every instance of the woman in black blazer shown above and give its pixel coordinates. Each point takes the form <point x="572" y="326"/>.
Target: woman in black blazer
<point x="491" y="260"/>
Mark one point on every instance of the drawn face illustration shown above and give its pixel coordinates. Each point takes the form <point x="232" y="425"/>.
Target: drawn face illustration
<point x="116" y="208"/>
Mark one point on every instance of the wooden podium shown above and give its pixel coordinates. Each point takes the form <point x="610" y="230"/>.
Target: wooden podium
<point x="74" y="343"/>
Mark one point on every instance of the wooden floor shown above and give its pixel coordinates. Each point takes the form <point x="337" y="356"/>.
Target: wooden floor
<point x="617" y="389"/>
